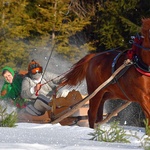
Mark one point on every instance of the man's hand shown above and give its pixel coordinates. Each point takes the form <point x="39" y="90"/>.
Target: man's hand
<point x="37" y="87"/>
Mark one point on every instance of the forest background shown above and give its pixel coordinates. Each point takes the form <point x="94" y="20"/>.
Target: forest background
<point x="69" y="27"/>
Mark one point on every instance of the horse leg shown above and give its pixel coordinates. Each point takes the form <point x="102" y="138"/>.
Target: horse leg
<point x="100" y="112"/>
<point x="145" y="106"/>
<point x="94" y="105"/>
<point x="101" y="106"/>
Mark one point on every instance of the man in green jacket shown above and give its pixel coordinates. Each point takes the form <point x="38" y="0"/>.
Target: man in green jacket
<point x="11" y="89"/>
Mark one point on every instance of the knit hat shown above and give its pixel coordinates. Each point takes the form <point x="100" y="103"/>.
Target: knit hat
<point x="34" y="67"/>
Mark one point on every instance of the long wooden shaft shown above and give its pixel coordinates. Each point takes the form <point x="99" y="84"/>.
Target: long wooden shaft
<point x="72" y="110"/>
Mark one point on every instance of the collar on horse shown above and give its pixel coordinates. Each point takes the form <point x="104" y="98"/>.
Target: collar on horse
<point x="133" y="55"/>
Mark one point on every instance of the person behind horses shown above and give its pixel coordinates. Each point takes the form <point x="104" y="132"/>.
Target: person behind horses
<point x="11" y="88"/>
<point x="39" y="87"/>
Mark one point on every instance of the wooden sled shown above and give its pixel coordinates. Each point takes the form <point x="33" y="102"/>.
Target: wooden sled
<point x="59" y="106"/>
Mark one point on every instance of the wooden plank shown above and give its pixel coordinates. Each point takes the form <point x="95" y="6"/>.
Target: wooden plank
<point x="25" y="117"/>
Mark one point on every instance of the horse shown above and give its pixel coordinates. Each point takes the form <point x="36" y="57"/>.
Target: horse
<point x="133" y="84"/>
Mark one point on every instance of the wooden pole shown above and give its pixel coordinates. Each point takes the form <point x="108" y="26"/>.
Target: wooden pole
<point x="75" y="107"/>
<point x="114" y="113"/>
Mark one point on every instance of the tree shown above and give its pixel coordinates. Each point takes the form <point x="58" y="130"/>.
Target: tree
<point x="13" y="30"/>
<point x="112" y="23"/>
<point x="115" y="21"/>
<point x="26" y="25"/>
<point x="56" y="24"/>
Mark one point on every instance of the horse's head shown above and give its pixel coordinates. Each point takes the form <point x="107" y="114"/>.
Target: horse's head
<point x="145" y="30"/>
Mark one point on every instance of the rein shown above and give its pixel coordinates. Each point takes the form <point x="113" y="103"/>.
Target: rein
<point x="47" y="81"/>
<point x="114" y="49"/>
<point x="137" y="41"/>
<point x="140" y="46"/>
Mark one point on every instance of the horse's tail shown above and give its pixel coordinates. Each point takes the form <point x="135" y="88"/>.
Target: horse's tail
<point x="77" y="72"/>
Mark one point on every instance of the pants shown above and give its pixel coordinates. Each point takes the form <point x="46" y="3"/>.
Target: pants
<point x="39" y="107"/>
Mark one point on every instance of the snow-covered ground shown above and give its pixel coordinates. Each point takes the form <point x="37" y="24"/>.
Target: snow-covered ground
<point x="30" y="136"/>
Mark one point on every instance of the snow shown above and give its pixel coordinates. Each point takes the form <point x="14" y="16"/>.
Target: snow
<point x="32" y="136"/>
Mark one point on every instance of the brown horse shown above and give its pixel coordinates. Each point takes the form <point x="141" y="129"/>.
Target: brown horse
<point x="132" y="85"/>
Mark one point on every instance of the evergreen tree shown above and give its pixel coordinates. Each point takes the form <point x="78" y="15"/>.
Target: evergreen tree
<point x="115" y="21"/>
<point x="13" y="30"/>
<point x="26" y="25"/>
<point x="113" y="27"/>
<point x="8" y="115"/>
<point x="56" y="24"/>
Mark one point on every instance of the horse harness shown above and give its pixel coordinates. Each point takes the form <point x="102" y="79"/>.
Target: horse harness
<point x="132" y="54"/>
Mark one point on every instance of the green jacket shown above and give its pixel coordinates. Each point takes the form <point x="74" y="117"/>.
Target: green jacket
<point x="12" y="91"/>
